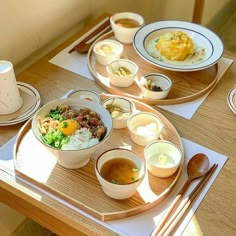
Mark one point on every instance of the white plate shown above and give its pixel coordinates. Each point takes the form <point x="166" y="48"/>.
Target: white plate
<point x="203" y="38"/>
<point x="32" y="91"/>
<point x="231" y="99"/>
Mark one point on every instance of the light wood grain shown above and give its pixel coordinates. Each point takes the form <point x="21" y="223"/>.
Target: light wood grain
<point x="198" y="11"/>
<point x="79" y="187"/>
<point x="213" y="126"/>
<point x="187" y="86"/>
<point x="170" y="221"/>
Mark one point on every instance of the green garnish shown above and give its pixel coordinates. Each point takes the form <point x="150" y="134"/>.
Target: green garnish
<point x="135" y="170"/>
<point x="55" y="138"/>
<point x="64" y="124"/>
<point x="114" y="181"/>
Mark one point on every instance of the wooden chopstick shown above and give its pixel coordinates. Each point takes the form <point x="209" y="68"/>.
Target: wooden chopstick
<point x="84" y="47"/>
<point x="178" y="215"/>
<point x="92" y="34"/>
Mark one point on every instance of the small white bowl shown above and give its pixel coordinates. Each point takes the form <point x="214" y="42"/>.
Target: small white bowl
<point x="107" y="50"/>
<point x="120" y="109"/>
<point x="122" y="72"/>
<point x="162" y="158"/>
<point x="125" y="25"/>
<point x="144" y="127"/>
<point x="115" y="190"/>
<point x="85" y="94"/>
<point x="159" y="81"/>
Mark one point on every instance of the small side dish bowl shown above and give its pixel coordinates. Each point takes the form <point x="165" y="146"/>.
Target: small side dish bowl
<point x="125" y="25"/>
<point x="122" y="72"/>
<point x="61" y="128"/>
<point x="120" y="109"/>
<point x="144" y="127"/>
<point x="107" y="50"/>
<point x="85" y="94"/>
<point x="155" y="86"/>
<point x="163" y="158"/>
<point x="120" y="171"/>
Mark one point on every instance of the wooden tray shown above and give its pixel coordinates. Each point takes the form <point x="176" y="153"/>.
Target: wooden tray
<point x="187" y="86"/>
<point x="80" y="187"/>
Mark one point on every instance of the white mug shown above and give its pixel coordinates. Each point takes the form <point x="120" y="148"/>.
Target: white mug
<point x="10" y="99"/>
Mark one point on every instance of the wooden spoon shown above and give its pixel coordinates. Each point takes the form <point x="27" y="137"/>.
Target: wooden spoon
<point x="197" y="166"/>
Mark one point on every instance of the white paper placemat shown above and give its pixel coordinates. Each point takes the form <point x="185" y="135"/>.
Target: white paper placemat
<point x="142" y="224"/>
<point x="77" y="63"/>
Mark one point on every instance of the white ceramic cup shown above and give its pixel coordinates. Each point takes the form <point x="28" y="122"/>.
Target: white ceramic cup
<point x="10" y="99"/>
<point x="122" y="33"/>
<point x="120" y="191"/>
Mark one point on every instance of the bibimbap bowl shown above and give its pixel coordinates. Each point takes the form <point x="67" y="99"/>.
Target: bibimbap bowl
<point x="72" y="129"/>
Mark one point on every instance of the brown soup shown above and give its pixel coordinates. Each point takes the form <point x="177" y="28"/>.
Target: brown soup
<point x="119" y="171"/>
<point x="127" y="22"/>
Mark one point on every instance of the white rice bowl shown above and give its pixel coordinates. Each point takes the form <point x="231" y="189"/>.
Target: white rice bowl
<point x="77" y="152"/>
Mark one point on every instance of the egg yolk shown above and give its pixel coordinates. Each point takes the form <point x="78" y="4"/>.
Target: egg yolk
<point x="68" y="127"/>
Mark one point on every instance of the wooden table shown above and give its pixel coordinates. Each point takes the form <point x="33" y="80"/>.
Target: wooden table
<point x="213" y="126"/>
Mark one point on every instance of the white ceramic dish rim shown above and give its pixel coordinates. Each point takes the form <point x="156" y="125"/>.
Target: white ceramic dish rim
<point x="214" y="42"/>
<point x="145" y="76"/>
<point x="129" y="15"/>
<point x="62" y="101"/>
<point x="231" y="99"/>
<point x="168" y="142"/>
<point x="108" y="67"/>
<point x="114" y="149"/>
<point x="83" y="90"/>
<point x="32" y="91"/>
<point x="142" y="113"/>
<point x="117" y="44"/>
<point x="132" y="105"/>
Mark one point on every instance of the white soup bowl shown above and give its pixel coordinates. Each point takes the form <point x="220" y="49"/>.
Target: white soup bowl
<point x="115" y="190"/>
<point x="125" y="25"/>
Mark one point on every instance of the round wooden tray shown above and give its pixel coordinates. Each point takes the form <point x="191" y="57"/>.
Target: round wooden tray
<point x="187" y="86"/>
<point x="80" y="187"/>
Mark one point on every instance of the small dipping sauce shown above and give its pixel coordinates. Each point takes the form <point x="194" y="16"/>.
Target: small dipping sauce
<point x="147" y="130"/>
<point x="128" y="23"/>
<point x="122" y="72"/>
<point x="117" y="112"/>
<point x="107" y="51"/>
<point x="144" y="127"/>
<point x="163" y="158"/>
<point x="152" y="86"/>
<point x="155" y="86"/>
<point x="120" y="110"/>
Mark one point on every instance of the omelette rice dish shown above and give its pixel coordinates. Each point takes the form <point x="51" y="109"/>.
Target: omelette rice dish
<point x="175" y="46"/>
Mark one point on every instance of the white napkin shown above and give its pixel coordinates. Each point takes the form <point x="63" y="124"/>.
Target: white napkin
<point x="144" y="223"/>
<point x="74" y="61"/>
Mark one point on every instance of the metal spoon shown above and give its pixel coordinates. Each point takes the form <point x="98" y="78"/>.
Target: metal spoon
<point x="197" y="167"/>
